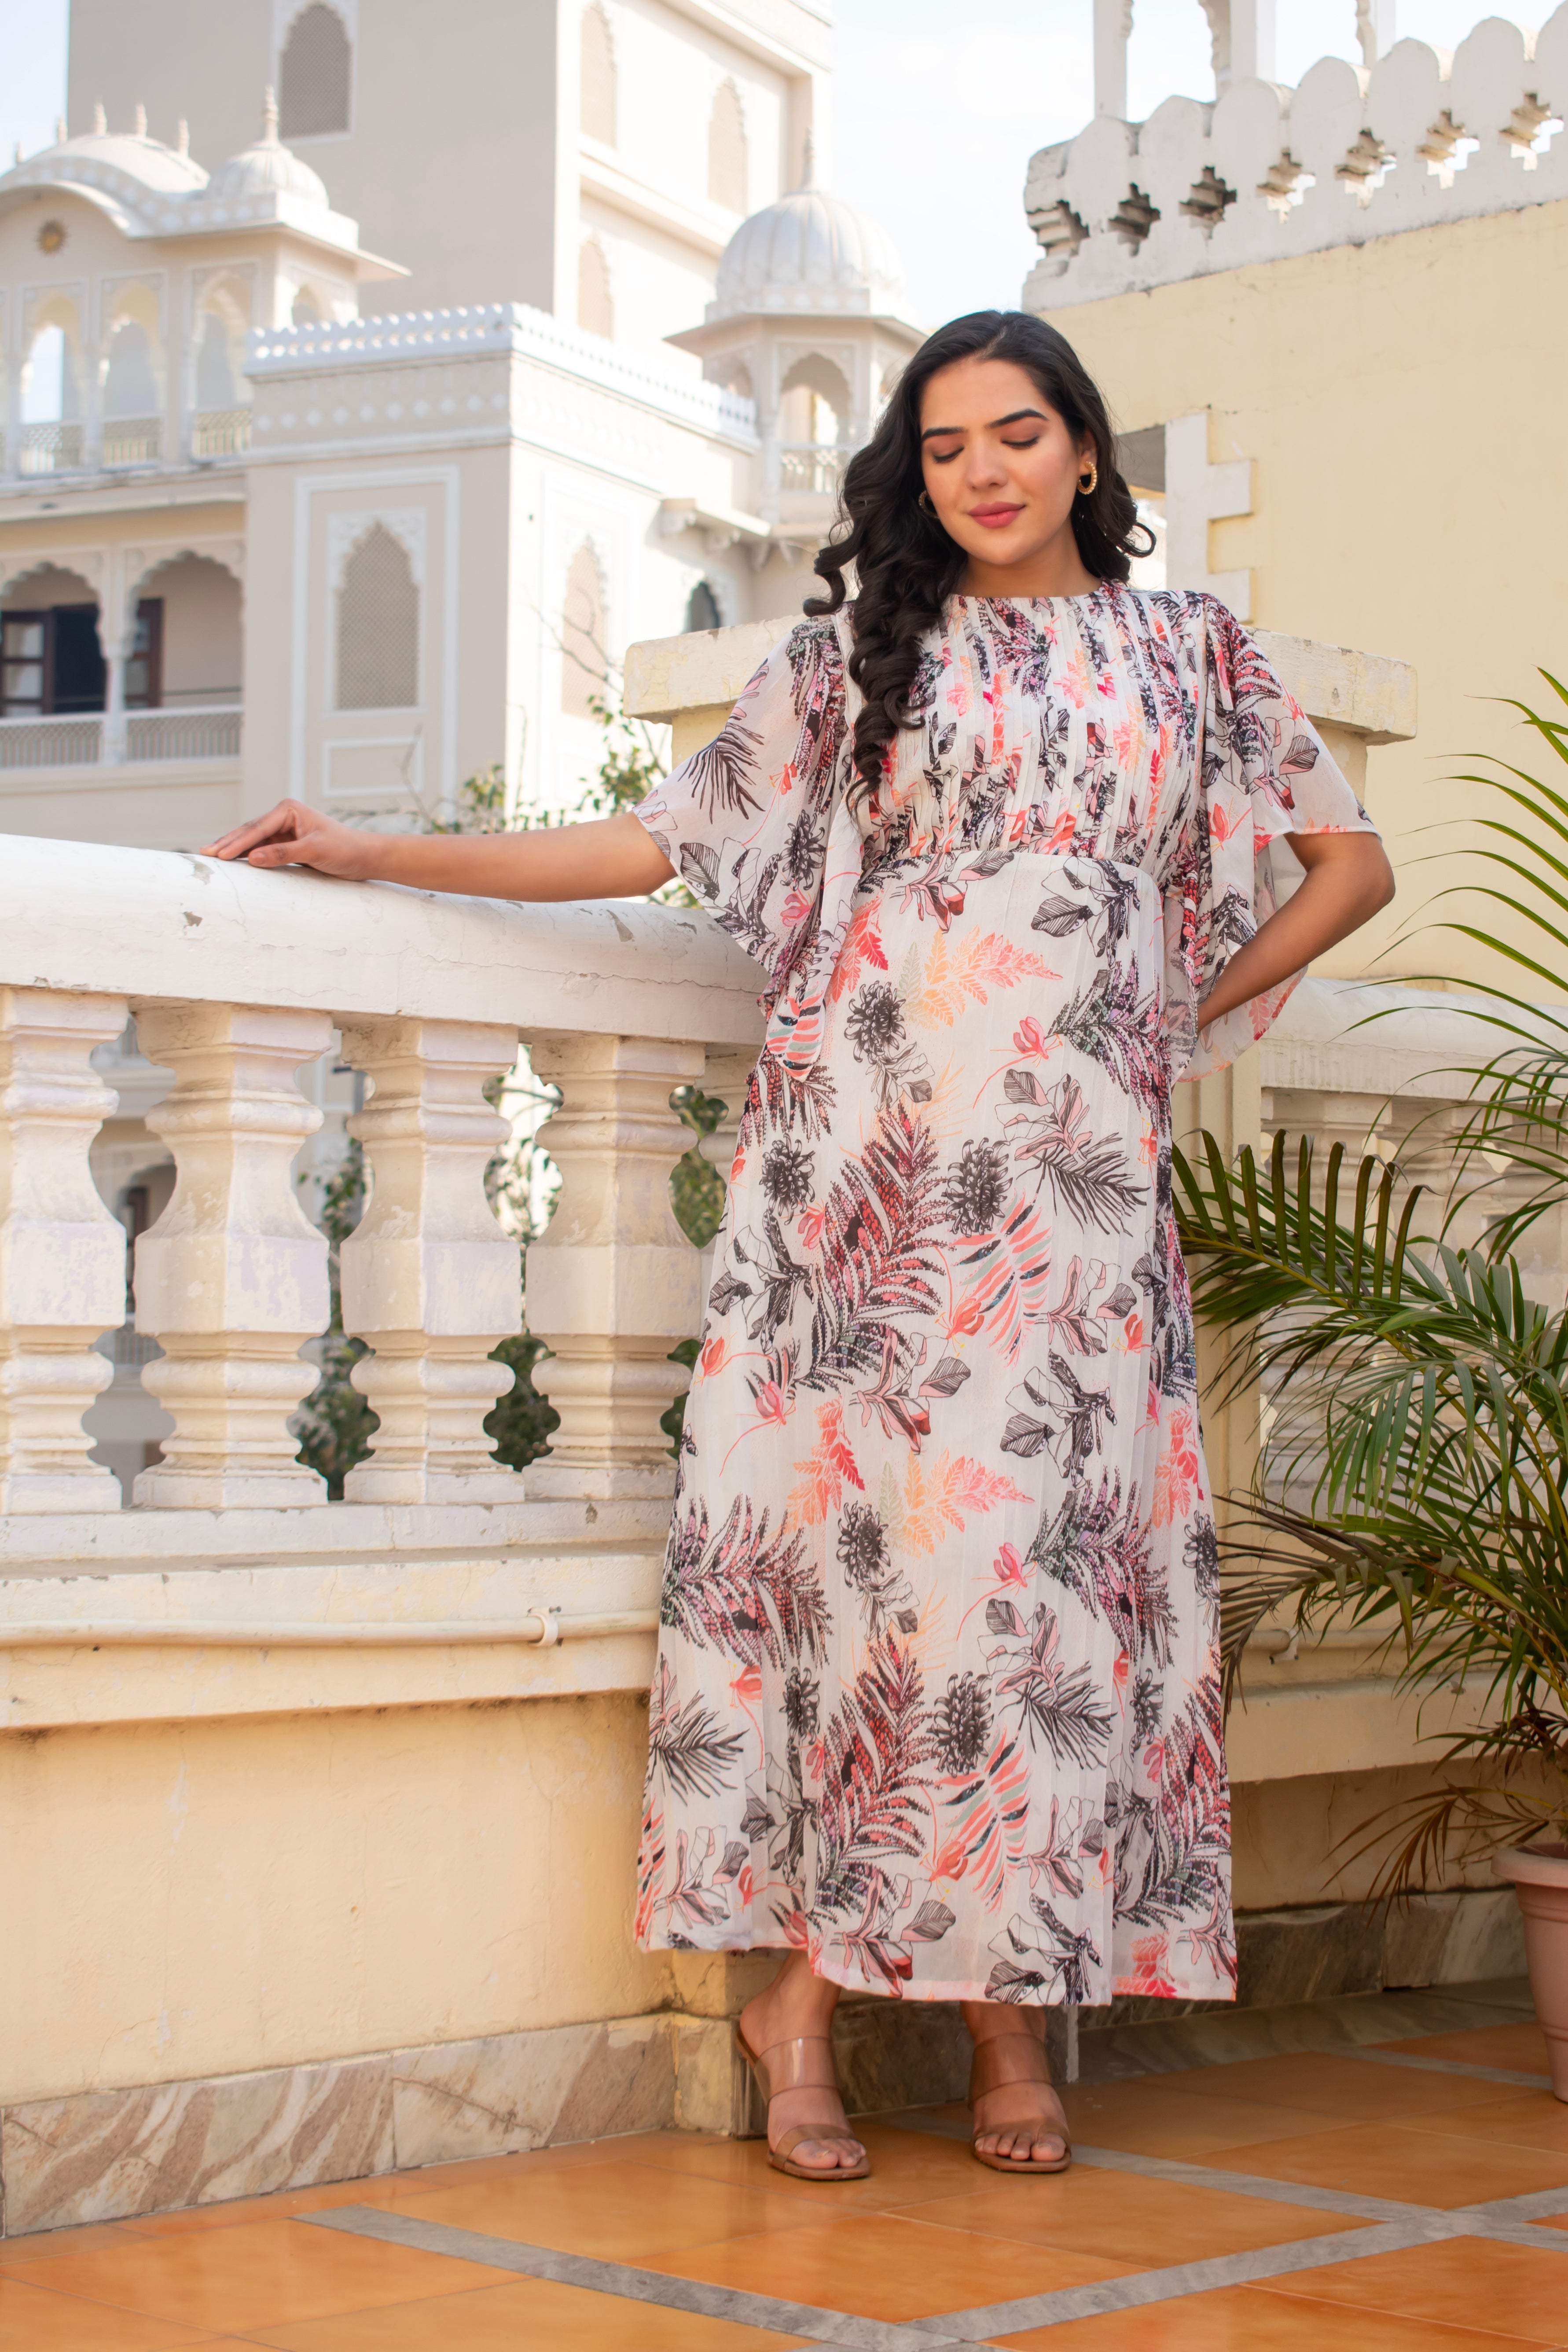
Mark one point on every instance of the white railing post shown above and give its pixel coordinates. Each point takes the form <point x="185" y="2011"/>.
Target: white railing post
<point x="62" y="1255"/>
<point x="429" y="1277"/>
<point x="612" y="1282"/>
<point x="232" y="1279"/>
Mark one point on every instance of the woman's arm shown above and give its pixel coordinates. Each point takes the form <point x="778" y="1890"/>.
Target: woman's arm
<point x="1347" y="878"/>
<point x="611" y="857"/>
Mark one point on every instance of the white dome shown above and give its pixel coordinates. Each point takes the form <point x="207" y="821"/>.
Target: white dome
<point x="268" y="169"/>
<point x="809" y="251"/>
<point x="97" y="155"/>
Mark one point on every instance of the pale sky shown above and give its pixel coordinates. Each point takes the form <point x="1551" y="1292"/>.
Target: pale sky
<point x="937" y="109"/>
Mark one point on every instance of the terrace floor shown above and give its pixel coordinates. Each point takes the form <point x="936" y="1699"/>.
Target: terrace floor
<point x="1383" y="2174"/>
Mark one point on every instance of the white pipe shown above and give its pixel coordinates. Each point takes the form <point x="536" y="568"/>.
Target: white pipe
<point x="549" y="1626"/>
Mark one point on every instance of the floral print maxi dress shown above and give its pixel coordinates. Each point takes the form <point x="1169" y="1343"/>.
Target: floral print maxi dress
<point x="937" y="1696"/>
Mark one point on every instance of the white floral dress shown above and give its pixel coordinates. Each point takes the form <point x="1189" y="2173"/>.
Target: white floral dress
<point x="937" y="1696"/>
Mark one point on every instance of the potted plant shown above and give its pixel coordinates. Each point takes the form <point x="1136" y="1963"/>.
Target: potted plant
<point x="1416" y="1470"/>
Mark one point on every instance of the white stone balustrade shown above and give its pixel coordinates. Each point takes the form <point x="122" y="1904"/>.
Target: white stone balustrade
<point x="62" y="1255"/>
<point x="238" y="981"/>
<point x="429" y="1277"/>
<point x="1264" y="171"/>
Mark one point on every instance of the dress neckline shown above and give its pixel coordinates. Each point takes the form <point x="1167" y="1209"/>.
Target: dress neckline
<point x="1084" y="597"/>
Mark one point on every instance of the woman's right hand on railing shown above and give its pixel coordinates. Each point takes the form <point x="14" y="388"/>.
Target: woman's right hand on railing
<point x="610" y="857"/>
<point x="293" y="835"/>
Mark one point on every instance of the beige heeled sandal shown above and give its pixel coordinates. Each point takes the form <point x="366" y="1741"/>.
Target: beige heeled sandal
<point x="803" y="2064"/>
<point x="1016" y="2058"/>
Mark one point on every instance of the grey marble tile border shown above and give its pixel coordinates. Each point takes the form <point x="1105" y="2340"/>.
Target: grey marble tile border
<point x="1513" y="2075"/>
<point x="1391" y="2227"/>
<point x="623" y="2279"/>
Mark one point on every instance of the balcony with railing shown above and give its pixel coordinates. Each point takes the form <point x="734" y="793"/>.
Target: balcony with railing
<point x="127" y="739"/>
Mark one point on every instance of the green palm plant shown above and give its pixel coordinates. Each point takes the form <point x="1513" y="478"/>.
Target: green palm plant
<point x="1413" y="1473"/>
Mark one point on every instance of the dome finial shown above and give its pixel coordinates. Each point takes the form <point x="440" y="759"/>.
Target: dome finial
<point x="139" y="122"/>
<point x="182" y="137"/>
<point x="62" y="131"/>
<point x="809" y="163"/>
<point x="99" y="121"/>
<point x="270" y="117"/>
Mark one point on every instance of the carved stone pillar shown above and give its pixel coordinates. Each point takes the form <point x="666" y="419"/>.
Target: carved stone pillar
<point x="727" y="1074"/>
<point x="62" y="1255"/>
<point x="232" y="1279"/>
<point x="612" y="1282"/>
<point x="428" y="1278"/>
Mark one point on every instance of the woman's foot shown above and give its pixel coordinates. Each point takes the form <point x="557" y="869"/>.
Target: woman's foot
<point x="798" y="2004"/>
<point x="1020" y="2122"/>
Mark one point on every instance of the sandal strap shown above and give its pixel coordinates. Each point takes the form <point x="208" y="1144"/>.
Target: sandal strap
<point x="788" y="2141"/>
<point x="805" y="2063"/>
<point x="1004" y="2058"/>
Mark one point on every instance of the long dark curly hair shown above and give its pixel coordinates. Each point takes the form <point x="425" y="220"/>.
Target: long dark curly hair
<point x="905" y="564"/>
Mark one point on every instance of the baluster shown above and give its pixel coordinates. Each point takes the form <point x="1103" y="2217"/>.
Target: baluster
<point x="62" y="1255"/>
<point x="612" y="1282"/>
<point x="232" y="1279"/>
<point x="429" y="1277"/>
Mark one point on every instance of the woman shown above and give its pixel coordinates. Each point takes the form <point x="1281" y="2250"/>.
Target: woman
<point x="937" y="1709"/>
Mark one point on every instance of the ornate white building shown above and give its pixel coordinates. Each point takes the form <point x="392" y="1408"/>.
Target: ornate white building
<point x="264" y="528"/>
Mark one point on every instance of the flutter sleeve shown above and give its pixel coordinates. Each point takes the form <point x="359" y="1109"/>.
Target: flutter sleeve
<point x="1264" y="774"/>
<point x="756" y="824"/>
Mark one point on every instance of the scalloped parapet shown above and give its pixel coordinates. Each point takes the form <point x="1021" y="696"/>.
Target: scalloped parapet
<point x="1266" y="171"/>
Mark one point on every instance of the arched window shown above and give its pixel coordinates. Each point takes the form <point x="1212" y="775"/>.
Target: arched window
<point x="702" y="608"/>
<point x="131" y="385"/>
<point x="46" y="379"/>
<point x="583" y="632"/>
<point x="595" y="310"/>
<point x="598" y="97"/>
<point x="378" y="627"/>
<point x="313" y="75"/>
<point x="727" y="150"/>
<point x="305" y="311"/>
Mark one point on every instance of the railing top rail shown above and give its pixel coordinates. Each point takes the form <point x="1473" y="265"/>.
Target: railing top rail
<point x="158" y="925"/>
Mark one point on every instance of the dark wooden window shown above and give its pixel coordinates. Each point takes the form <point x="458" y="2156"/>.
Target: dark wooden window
<point x="24" y="663"/>
<point x="144" y="662"/>
<point x="50" y="661"/>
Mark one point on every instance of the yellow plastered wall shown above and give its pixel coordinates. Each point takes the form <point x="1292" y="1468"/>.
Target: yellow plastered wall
<point x="206" y="1898"/>
<point x="1402" y="402"/>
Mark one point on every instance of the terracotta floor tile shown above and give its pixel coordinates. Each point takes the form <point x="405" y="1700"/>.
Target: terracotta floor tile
<point x="887" y="2266"/>
<point x="1148" y="2117"/>
<point x="1529" y="2118"/>
<point x="907" y="2166"/>
<point x="1522" y="2045"/>
<point x="532" y="2315"/>
<point x="622" y="2213"/>
<point x="44" y="2244"/>
<point x="258" y="2274"/>
<point x="1346" y="2088"/>
<point x="1402" y="2161"/>
<point x="34" y="2319"/>
<point x="1464" y="2282"/>
<point x="285" y="2201"/>
<point x="1117" y="2216"/>
<point x="1245" y="2319"/>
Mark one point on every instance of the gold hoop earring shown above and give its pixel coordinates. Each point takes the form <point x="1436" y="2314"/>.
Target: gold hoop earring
<point x="926" y="505"/>
<point x="1087" y="488"/>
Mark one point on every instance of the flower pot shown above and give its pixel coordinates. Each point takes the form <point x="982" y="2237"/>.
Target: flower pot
<point x="1540" y="1875"/>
